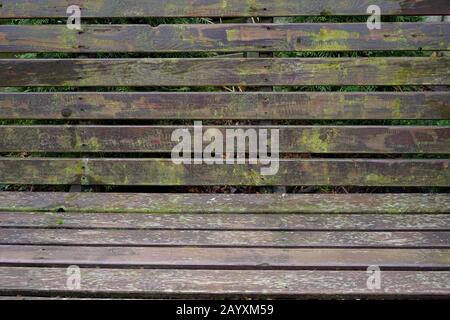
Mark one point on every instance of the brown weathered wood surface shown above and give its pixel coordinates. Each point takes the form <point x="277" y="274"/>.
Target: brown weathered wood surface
<point x="341" y="172"/>
<point x="292" y="139"/>
<point x="225" y="203"/>
<point x="224" y="258"/>
<point x="220" y="72"/>
<point x="223" y="245"/>
<point x="225" y="37"/>
<point x="229" y="221"/>
<point x="216" y="8"/>
<point x="217" y="105"/>
<point x="202" y="238"/>
<point x="210" y="283"/>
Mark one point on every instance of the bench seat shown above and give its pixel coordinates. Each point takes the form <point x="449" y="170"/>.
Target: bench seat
<point x="197" y="246"/>
<point x="87" y="122"/>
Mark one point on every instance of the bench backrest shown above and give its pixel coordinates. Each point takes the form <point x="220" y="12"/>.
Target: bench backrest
<point x="112" y="136"/>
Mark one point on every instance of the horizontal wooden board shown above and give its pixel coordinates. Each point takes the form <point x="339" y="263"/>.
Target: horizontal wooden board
<point x="225" y="37"/>
<point x="207" y="238"/>
<point x="203" y="258"/>
<point x="292" y="139"/>
<point x="221" y="71"/>
<point x="176" y="283"/>
<point x="249" y="105"/>
<point x="226" y="203"/>
<point x="230" y="221"/>
<point x="216" y="8"/>
<point x="341" y="172"/>
<point x="214" y="283"/>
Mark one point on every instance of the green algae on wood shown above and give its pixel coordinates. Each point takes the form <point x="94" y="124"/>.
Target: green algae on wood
<point x="293" y="139"/>
<point x="216" y="8"/>
<point x="218" y="105"/>
<point x="156" y="172"/>
<point x="245" y="71"/>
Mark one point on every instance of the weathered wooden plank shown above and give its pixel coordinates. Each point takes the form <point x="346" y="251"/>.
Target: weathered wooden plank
<point x="22" y="298"/>
<point x="224" y="258"/>
<point x="292" y="139"/>
<point x="226" y="203"/>
<point x="249" y="105"/>
<point x="229" y="221"/>
<point x="216" y="8"/>
<point x="175" y="283"/>
<point x="219" y="72"/>
<point x="201" y="238"/>
<point x="341" y="172"/>
<point x="224" y="37"/>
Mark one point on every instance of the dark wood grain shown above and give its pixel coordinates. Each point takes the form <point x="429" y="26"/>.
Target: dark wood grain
<point x="249" y="105"/>
<point x="224" y="37"/>
<point x="224" y="203"/>
<point x="292" y="139"/>
<point x="220" y="72"/>
<point x="216" y="8"/>
<point x="341" y="172"/>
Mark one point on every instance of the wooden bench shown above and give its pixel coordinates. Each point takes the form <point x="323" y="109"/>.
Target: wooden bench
<point x="143" y="232"/>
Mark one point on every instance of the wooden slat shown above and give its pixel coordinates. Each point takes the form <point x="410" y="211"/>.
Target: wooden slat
<point x="175" y="283"/>
<point x="203" y="258"/>
<point x="284" y="239"/>
<point x="261" y="106"/>
<point x="341" y="172"/>
<point x="230" y="221"/>
<point x="224" y="37"/>
<point x="220" y="72"/>
<point x="216" y="8"/>
<point x="292" y="139"/>
<point x="225" y="203"/>
<point x="298" y="283"/>
<point x="22" y="298"/>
